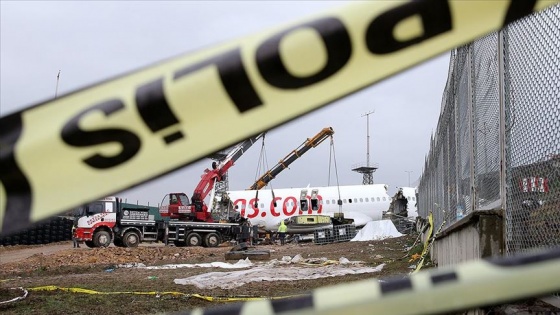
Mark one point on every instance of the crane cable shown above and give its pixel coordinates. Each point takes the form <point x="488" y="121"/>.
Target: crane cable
<point x="332" y="156"/>
<point x="259" y="166"/>
<point x="262" y="166"/>
<point x="265" y="169"/>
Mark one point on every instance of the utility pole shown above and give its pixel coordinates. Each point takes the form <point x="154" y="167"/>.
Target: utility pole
<point x="408" y="177"/>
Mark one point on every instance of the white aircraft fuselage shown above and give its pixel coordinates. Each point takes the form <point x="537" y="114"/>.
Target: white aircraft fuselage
<point x="362" y="203"/>
<point x="410" y="194"/>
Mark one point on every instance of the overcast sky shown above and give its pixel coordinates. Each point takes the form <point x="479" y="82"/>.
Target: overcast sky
<point x="92" y="41"/>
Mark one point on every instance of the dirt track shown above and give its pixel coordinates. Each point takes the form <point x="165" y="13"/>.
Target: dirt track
<point x="20" y="252"/>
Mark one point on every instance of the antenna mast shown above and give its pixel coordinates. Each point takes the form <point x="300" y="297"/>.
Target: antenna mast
<point x="367" y="117"/>
<point x="368" y="169"/>
<point x="57" y="79"/>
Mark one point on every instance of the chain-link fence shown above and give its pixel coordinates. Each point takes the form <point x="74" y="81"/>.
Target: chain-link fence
<point x="497" y="143"/>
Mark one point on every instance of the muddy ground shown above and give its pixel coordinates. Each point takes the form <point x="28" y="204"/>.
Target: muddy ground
<point x="97" y="269"/>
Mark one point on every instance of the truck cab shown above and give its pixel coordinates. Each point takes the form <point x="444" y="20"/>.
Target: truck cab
<point x="95" y="222"/>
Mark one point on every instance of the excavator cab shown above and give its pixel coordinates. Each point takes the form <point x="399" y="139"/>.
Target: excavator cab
<point x="175" y="205"/>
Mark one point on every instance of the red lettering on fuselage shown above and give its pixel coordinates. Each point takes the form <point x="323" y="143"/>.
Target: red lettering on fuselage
<point x="240" y="204"/>
<point x="289" y="207"/>
<point x="252" y="203"/>
<point x="273" y="204"/>
<point x="287" y="203"/>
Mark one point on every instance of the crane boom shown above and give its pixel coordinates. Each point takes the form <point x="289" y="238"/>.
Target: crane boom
<point x="291" y="157"/>
<point x="210" y="177"/>
<point x="178" y="206"/>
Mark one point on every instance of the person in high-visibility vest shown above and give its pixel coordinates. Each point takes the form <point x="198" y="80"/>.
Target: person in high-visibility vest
<point x="282" y="229"/>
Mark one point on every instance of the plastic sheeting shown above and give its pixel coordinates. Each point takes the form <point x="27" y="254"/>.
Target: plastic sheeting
<point x="272" y="272"/>
<point x="242" y="263"/>
<point x="377" y="230"/>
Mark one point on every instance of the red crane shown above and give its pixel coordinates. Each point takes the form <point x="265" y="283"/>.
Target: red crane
<point x="178" y="206"/>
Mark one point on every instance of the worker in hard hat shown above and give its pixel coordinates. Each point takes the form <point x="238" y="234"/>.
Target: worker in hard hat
<point x="282" y="229"/>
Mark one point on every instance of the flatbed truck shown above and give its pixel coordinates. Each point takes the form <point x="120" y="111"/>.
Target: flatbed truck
<point x="104" y="222"/>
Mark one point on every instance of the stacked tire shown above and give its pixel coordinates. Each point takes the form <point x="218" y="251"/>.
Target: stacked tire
<point x="57" y="229"/>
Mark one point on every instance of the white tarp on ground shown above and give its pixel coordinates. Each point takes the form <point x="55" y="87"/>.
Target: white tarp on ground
<point x="242" y="263"/>
<point x="270" y="272"/>
<point x="377" y="230"/>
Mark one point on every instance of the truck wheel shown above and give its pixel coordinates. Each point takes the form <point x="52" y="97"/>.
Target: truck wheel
<point x="212" y="240"/>
<point x="102" y="239"/>
<point x="131" y="239"/>
<point x="194" y="239"/>
<point x="89" y="244"/>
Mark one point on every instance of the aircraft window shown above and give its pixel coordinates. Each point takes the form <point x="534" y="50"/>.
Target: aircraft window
<point x="378" y="199"/>
<point x="355" y="200"/>
<point x="367" y="199"/>
<point x="361" y="199"/>
<point x="262" y="205"/>
<point x="328" y="201"/>
<point x="333" y="202"/>
<point x="384" y="199"/>
<point x="408" y="198"/>
<point x="345" y="201"/>
<point x="413" y="198"/>
<point x="349" y="200"/>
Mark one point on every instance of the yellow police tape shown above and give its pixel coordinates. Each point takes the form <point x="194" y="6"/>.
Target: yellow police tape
<point x="428" y="236"/>
<point x="158" y="294"/>
<point x="105" y="138"/>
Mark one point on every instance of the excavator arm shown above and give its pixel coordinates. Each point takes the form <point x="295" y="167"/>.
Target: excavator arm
<point x="294" y="155"/>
